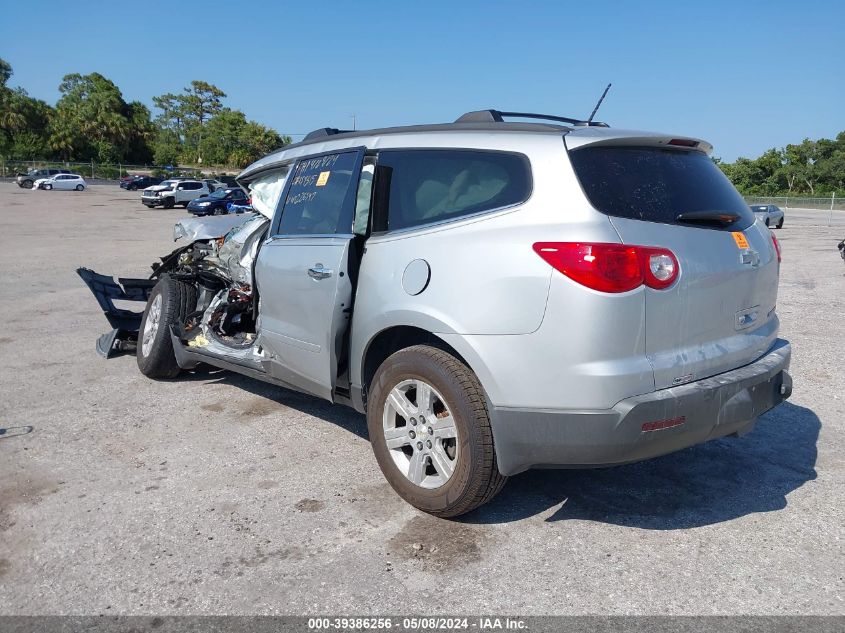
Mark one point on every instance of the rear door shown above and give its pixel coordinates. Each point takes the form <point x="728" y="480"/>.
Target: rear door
<point x="720" y="314"/>
<point x="302" y="272"/>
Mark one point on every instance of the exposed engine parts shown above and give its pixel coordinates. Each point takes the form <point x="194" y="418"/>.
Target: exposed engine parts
<point x="222" y="270"/>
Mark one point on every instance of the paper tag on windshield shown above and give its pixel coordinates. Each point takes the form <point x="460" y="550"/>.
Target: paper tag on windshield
<point x="740" y="240"/>
<point x="323" y="178"/>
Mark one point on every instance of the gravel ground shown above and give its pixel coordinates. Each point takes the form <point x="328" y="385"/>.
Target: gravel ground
<point x="218" y="494"/>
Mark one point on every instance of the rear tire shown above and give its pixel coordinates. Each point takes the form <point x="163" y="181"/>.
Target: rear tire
<point x="169" y="303"/>
<point x="80" y="187"/>
<point x="780" y="224"/>
<point x="767" y="221"/>
<point x="441" y="457"/>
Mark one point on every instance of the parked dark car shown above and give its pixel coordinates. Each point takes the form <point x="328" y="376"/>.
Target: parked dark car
<point x="217" y="203"/>
<point x="25" y="180"/>
<point x="140" y="182"/>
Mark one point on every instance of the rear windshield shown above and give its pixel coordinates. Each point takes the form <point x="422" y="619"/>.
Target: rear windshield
<point x="658" y="185"/>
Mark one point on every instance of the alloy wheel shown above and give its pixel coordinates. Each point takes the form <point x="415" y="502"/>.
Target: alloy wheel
<point x="420" y="433"/>
<point x="151" y="325"/>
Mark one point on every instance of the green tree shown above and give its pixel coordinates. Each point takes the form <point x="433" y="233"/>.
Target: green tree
<point x="197" y="127"/>
<point x="812" y="167"/>
<point x="229" y="139"/>
<point x="23" y="120"/>
<point x="222" y="136"/>
<point x="142" y="133"/>
<point x="5" y="72"/>
<point x="200" y="102"/>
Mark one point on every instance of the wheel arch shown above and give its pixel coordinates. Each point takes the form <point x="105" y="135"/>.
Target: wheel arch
<point x="392" y="339"/>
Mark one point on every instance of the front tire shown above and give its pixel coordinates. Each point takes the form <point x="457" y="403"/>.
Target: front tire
<point x="430" y="430"/>
<point x="168" y="203"/>
<point x="26" y="184"/>
<point x="169" y="303"/>
<point x="47" y="187"/>
<point x="780" y="224"/>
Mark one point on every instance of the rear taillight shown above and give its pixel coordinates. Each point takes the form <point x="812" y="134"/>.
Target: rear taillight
<point x="611" y="267"/>
<point x="776" y="243"/>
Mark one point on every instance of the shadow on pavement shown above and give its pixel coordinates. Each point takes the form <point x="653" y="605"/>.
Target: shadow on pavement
<point x="714" y="482"/>
<point x="341" y="416"/>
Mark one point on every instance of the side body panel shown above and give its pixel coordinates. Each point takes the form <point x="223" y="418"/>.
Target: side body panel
<point x="526" y="330"/>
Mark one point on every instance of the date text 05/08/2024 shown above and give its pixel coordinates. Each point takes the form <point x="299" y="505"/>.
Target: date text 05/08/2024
<point x="416" y="623"/>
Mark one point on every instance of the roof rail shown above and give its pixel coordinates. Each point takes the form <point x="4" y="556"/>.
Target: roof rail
<point x="324" y="131"/>
<point x="497" y="116"/>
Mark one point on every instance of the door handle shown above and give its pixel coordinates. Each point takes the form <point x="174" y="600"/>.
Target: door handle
<point x="317" y="271"/>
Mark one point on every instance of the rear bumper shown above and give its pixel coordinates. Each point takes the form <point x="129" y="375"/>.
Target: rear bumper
<point x="644" y="426"/>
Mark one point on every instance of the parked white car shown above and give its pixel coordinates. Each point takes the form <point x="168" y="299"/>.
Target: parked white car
<point x="172" y="192"/>
<point x="61" y="181"/>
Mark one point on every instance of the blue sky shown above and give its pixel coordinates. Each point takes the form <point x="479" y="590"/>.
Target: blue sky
<point x="744" y="75"/>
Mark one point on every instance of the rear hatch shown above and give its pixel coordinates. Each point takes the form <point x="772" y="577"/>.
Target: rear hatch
<point x="667" y="192"/>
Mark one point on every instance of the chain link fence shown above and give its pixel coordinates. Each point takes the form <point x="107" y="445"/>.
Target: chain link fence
<point x="828" y="203"/>
<point x="115" y="171"/>
<point x="110" y="171"/>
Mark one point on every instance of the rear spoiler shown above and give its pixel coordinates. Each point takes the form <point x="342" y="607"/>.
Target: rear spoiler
<point x="582" y="137"/>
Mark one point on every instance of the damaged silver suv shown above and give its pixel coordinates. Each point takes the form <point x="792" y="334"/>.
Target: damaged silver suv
<point x="493" y="295"/>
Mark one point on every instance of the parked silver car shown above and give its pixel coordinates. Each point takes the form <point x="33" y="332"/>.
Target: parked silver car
<point x="769" y="214"/>
<point x="493" y="295"/>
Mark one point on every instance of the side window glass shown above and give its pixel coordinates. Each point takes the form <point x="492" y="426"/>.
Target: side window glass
<point x="365" y="194"/>
<point x="425" y="186"/>
<point x="319" y="199"/>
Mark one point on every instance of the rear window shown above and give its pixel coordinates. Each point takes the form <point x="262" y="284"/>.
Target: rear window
<point x="657" y="185"/>
<point x="420" y="187"/>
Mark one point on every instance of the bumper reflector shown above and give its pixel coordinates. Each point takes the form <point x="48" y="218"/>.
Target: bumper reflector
<point x="659" y="425"/>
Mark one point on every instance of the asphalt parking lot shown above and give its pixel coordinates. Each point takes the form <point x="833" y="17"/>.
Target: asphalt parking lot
<point x="215" y="493"/>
